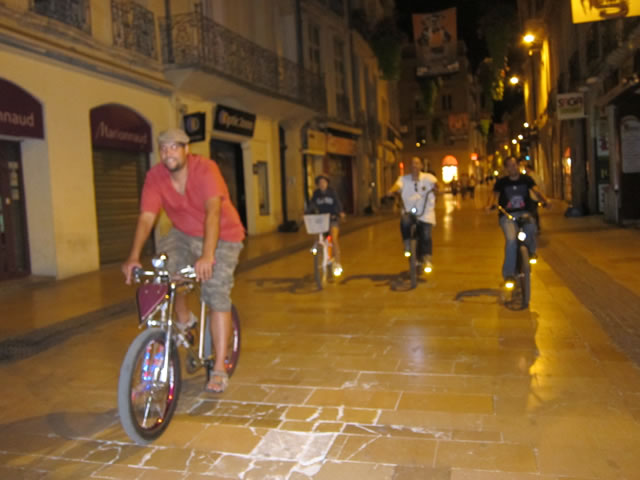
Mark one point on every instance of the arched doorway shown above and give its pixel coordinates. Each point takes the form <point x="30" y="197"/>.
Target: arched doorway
<point x="449" y="168"/>
<point x="121" y="142"/>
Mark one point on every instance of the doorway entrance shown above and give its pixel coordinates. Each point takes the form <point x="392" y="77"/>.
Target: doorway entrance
<point x="228" y="156"/>
<point x="14" y="245"/>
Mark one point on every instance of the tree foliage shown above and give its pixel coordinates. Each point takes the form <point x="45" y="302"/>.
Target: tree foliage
<point x="386" y="43"/>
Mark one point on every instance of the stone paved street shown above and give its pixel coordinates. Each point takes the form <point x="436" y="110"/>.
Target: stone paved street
<point x="369" y="380"/>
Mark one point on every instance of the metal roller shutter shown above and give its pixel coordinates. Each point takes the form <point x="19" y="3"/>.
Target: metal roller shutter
<point x="118" y="179"/>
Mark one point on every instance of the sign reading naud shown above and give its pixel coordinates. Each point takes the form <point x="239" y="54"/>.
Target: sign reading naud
<point x="20" y="113"/>
<point x="570" y="105"/>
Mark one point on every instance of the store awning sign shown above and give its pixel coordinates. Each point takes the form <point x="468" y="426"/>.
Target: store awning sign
<point x="598" y="10"/>
<point x="230" y="120"/>
<point x="117" y="127"/>
<point x="20" y="113"/>
<point x="570" y="106"/>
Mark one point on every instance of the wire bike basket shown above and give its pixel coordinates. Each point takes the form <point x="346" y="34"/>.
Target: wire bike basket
<point x="317" y="223"/>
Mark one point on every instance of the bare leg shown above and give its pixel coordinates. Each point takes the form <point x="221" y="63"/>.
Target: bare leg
<point x="181" y="308"/>
<point x="336" y="244"/>
<point x="220" y="331"/>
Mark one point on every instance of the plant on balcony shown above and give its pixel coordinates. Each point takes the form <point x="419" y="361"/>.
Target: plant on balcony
<point x="386" y="43"/>
<point x="429" y="87"/>
<point x="498" y="41"/>
<point x="437" y="129"/>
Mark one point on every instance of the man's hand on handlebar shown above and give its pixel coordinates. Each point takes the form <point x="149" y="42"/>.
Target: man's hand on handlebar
<point x="204" y="268"/>
<point x="128" y="267"/>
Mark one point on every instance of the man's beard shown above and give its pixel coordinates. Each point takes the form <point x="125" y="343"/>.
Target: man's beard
<point x="179" y="166"/>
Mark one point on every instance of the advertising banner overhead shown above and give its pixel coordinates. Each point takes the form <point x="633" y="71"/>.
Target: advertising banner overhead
<point x="597" y="10"/>
<point x="436" y="40"/>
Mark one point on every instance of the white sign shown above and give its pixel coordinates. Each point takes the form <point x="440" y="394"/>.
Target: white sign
<point x="570" y="105"/>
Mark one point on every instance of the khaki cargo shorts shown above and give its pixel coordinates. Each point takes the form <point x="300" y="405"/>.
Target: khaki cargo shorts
<point x="184" y="250"/>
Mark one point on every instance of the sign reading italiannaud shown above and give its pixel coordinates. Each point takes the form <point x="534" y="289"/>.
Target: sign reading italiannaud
<point x="597" y="10"/>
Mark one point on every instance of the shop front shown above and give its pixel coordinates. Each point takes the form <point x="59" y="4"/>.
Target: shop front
<point x="20" y="119"/>
<point x="121" y="143"/>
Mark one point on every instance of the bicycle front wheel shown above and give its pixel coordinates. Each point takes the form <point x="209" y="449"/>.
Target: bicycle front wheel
<point x="413" y="265"/>
<point x="146" y="399"/>
<point x="525" y="276"/>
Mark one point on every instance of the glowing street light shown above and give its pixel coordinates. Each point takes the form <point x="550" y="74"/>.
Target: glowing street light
<point x="514" y="141"/>
<point x="529" y="38"/>
<point x="514" y="80"/>
<point x="520" y="137"/>
<point x="417" y="144"/>
<point x="525" y="124"/>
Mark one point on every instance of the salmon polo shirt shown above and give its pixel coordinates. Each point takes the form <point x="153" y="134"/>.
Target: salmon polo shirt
<point x="187" y="212"/>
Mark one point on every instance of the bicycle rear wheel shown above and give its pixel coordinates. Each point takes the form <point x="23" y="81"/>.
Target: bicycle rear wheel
<point x="524" y="277"/>
<point x="146" y="403"/>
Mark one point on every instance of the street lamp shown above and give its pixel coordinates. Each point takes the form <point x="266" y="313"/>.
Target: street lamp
<point x="529" y="38"/>
<point x="514" y="80"/>
<point x="525" y="124"/>
<point x="514" y="141"/>
<point x="520" y="137"/>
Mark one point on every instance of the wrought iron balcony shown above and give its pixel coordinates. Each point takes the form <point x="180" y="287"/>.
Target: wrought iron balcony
<point x="193" y="40"/>
<point x="134" y="28"/>
<point x="71" y="12"/>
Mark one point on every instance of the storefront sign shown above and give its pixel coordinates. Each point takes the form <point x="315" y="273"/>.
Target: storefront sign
<point x="119" y="128"/>
<point x="316" y="142"/>
<point x="630" y="140"/>
<point x="597" y="10"/>
<point x="341" y="146"/>
<point x="20" y="113"/>
<point x="227" y="119"/>
<point x="194" y="125"/>
<point x="570" y="106"/>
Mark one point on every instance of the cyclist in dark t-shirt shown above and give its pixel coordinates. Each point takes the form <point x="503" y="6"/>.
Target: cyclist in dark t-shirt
<point x="513" y="193"/>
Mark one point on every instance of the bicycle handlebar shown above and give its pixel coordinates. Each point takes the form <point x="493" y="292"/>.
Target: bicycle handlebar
<point x="184" y="275"/>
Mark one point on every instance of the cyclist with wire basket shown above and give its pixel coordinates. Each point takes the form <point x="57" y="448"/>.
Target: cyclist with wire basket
<point x="325" y="200"/>
<point x="417" y="190"/>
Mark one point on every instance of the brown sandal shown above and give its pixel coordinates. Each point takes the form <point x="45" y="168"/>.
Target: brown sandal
<point x="219" y="385"/>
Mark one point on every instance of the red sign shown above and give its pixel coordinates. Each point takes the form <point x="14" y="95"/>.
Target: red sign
<point x="474" y="156"/>
<point x="119" y="128"/>
<point x="20" y="113"/>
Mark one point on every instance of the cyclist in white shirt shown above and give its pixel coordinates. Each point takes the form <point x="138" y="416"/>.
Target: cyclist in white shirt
<point x="418" y="190"/>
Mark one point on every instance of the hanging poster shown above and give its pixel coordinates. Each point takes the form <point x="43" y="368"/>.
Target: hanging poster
<point x="436" y="40"/>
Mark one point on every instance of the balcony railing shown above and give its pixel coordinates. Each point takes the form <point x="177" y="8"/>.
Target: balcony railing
<point x="134" y="28"/>
<point x="71" y="12"/>
<point x="193" y="40"/>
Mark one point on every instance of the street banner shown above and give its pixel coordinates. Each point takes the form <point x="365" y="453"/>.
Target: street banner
<point x="459" y="123"/>
<point x="597" y="10"/>
<point x="436" y="40"/>
<point x="570" y="105"/>
<point x="500" y="132"/>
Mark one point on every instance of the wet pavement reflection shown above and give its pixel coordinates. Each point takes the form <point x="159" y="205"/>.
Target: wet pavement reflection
<point x="362" y="379"/>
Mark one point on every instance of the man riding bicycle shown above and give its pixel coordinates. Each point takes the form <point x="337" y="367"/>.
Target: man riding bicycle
<point x="513" y="194"/>
<point x="418" y="190"/>
<point x="207" y="233"/>
<point x="325" y="200"/>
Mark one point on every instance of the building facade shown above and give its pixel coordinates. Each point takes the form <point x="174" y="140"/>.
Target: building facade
<point x="86" y="86"/>
<point x="443" y="129"/>
<point x="590" y="161"/>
